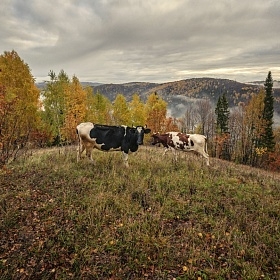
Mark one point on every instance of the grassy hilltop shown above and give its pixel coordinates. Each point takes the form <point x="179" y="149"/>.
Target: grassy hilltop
<point x="156" y="220"/>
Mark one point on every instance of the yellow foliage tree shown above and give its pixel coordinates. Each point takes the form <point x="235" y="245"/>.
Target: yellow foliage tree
<point x="19" y="101"/>
<point x="75" y="109"/>
<point x="98" y="108"/>
<point x="137" y="111"/>
<point x="121" y="113"/>
<point x="54" y="99"/>
<point x="253" y="128"/>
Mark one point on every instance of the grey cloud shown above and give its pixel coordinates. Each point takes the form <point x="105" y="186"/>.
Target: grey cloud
<point x="157" y="40"/>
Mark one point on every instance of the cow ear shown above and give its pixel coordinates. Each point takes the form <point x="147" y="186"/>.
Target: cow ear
<point x="147" y="130"/>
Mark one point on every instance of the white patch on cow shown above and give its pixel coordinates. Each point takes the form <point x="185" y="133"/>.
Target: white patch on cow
<point x="98" y="146"/>
<point x="125" y="128"/>
<point x="112" y="149"/>
<point x="85" y="142"/>
<point x="125" y="158"/>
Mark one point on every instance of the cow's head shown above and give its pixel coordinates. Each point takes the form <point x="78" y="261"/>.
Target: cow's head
<point x="155" y="138"/>
<point x="140" y="131"/>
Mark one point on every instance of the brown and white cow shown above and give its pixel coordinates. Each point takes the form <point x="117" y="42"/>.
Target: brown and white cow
<point x="108" y="138"/>
<point x="183" y="142"/>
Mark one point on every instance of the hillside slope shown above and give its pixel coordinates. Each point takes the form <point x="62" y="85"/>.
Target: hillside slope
<point x="60" y="219"/>
<point x="179" y="94"/>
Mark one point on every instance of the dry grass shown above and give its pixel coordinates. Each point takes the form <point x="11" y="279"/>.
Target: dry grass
<point x="156" y="220"/>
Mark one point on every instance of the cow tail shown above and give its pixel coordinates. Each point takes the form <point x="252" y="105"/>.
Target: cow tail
<point x="206" y="149"/>
<point x="79" y="138"/>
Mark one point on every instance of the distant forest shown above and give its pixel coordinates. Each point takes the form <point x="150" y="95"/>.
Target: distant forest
<point x="179" y="93"/>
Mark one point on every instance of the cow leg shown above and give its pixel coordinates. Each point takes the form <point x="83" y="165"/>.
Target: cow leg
<point x="201" y="151"/>
<point x="173" y="151"/>
<point x="175" y="154"/>
<point x="125" y="159"/>
<point x="206" y="156"/>
<point x="166" y="150"/>
<point x="205" y="153"/>
<point x="89" y="153"/>
<point x="80" y="149"/>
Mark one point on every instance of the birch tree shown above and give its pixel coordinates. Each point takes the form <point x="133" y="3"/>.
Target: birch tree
<point x="54" y="101"/>
<point x="120" y="113"/>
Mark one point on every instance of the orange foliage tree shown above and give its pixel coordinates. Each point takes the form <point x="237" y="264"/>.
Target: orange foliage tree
<point x="156" y="109"/>
<point x="171" y="124"/>
<point x="274" y="157"/>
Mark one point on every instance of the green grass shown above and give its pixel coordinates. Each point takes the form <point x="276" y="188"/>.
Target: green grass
<point x="156" y="220"/>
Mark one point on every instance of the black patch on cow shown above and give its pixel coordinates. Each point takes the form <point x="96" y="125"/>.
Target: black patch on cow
<point x="181" y="145"/>
<point x="110" y="136"/>
<point x="192" y="143"/>
<point x="130" y="140"/>
<point x="118" y="137"/>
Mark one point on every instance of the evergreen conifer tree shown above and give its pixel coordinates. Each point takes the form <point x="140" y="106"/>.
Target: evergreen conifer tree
<point x="222" y="112"/>
<point x="268" y="137"/>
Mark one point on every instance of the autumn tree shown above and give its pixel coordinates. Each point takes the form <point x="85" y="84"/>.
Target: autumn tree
<point x="75" y="109"/>
<point x="19" y="101"/>
<point x="263" y="141"/>
<point x="137" y="111"/>
<point x="54" y="101"/>
<point x="253" y="130"/>
<point x="156" y="109"/>
<point x="172" y="124"/>
<point x="121" y="113"/>
<point x="98" y="108"/>
<point x="274" y="157"/>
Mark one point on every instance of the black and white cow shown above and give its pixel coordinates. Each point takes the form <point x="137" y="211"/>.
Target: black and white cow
<point x="109" y="138"/>
<point x="183" y="142"/>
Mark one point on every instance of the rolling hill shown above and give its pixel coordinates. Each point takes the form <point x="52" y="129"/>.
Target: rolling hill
<point x="179" y="94"/>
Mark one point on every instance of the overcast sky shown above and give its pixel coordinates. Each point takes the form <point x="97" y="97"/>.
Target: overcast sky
<point x="117" y="41"/>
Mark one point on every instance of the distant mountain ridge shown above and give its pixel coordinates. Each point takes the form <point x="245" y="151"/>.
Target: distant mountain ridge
<point x="183" y="93"/>
<point x="179" y="94"/>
